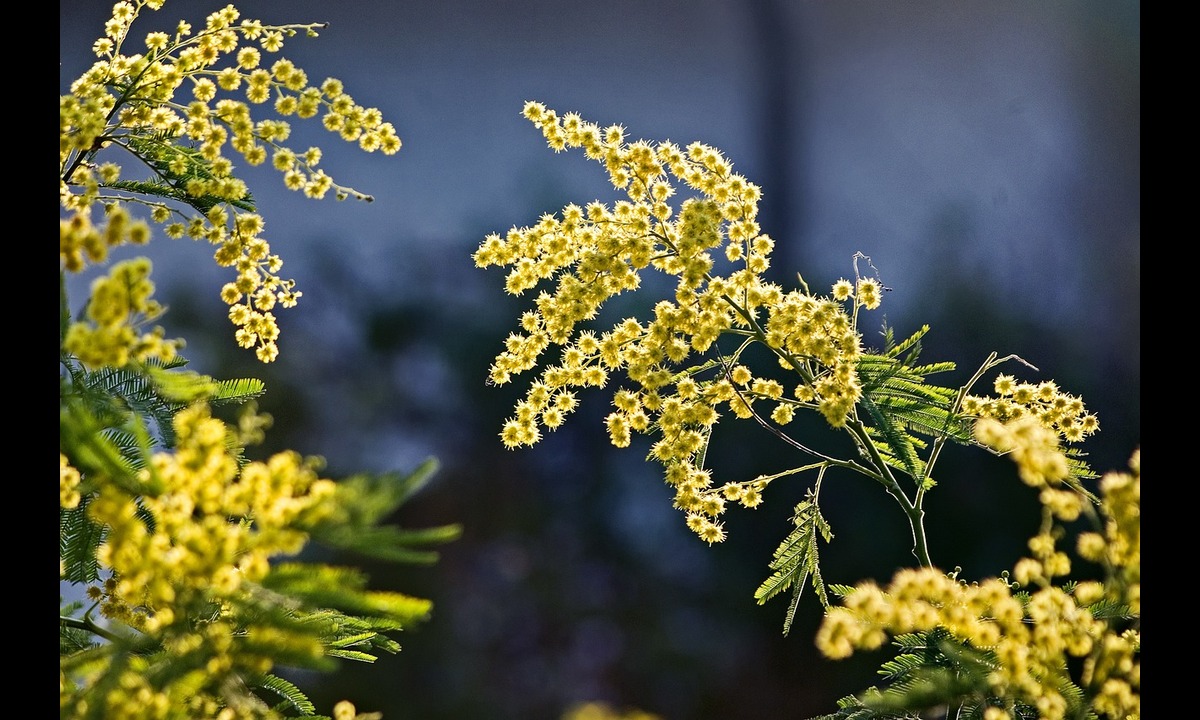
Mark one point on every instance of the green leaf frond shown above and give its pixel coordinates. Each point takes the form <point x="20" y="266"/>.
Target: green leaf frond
<point x="796" y="560"/>
<point x="293" y="700"/>
<point x="298" y="579"/>
<point x="368" y="499"/>
<point x="71" y="637"/>
<point x="154" y="390"/>
<point x="888" y="374"/>
<point x="351" y="655"/>
<point x="342" y="589"/>
<point x="897" y="447"/>
<point x="86" y="437"/>
<point x="337" y="635"/>
<point x="78" y="538"/>
<point x="364" y="501"/>
<point x="349" y="631"/>
<point x="901" y="405"/>
<point x="839" y="589"/>
<point x="135" y="388"/>
<point x="851" y="708"/>
<point x="282" y="626"/>
<point x="287" y="647"/>
<point x="160" y="154"/>
<point x="1078" y="471"/>
<point x="391" y="543"/>
<point x="112" y="418"/>
<point x="239" y="391"/>
<point x="1110" y="610"/>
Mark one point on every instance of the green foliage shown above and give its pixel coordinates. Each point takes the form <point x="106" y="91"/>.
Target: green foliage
<point x="899" y="403"/>
<point x="931" y="670"/>
<point x="188" y="552"/>
<point x="78" y="538"/>
<point x="301" y="614"/>
<point x="796" y="559"/>
<point x="174" y="166"/>
<point x="294" y="702"/>
<point x="365" y="501"/>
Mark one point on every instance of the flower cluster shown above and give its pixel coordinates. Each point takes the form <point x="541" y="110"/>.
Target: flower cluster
<point x="130" y="102"/>
<point x="604" y="711"/>
<point x="1032" y="639"/>
<point x="1117" y="545"/>
<point x="202" y="488"/>
<point x="1054" y="409"/>
<point x="121" y="302"/>
<point x="176" y="537"/>
<point x="214" y="528"/>
<point x="68" y="484"/>
<point x="591" y="254"/>
<point x="345" y="710"/>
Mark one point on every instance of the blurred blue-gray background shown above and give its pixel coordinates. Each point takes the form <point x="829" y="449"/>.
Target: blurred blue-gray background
<point x="986" y="156"/>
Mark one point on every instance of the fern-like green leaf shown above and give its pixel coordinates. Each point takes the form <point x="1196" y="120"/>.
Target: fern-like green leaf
<point x="366" y="500"/>
<point x="178" y="387"/>
<point x="291" y="695"/>
<point x="788" y="558"/>
<point x="352" y="655"/>
<point x="239" y="391"/>
<point x="840" y="589"/>
<point x="389" y="542"/>
<point x="78" y="538"/>
<point x="164" y="155"/>
<point x="852" y="708"/>
<point x="340" y="588"/>
<point x="83" y="437"/>
<point x="349" y="640"/>
<point x="901" y="405"/>
<point x="898" y="443"/>
<point x="900" y="666"/>
<point x="1109" y="610"/>
<point x="796" y="562"/>
<point x="371" y="498"/>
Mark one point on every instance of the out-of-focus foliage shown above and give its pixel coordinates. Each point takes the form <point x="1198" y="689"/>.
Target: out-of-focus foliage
<point x="185" y="552"/>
